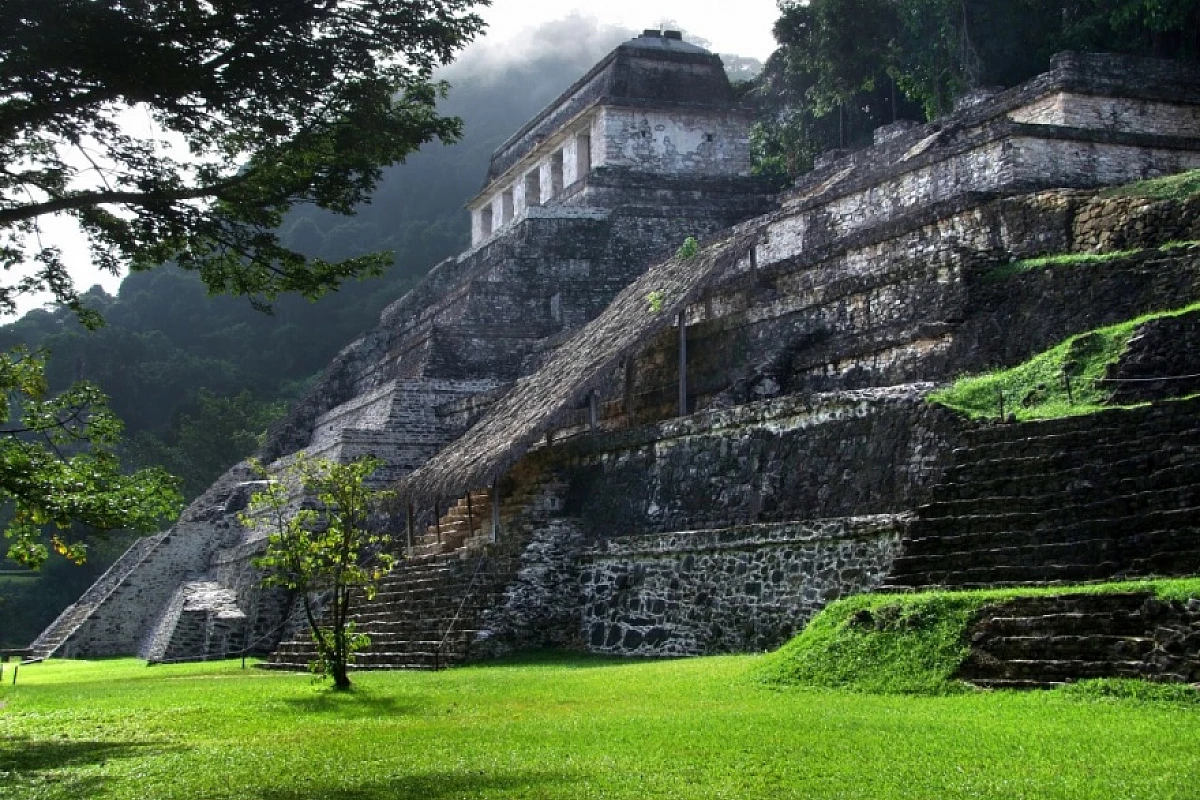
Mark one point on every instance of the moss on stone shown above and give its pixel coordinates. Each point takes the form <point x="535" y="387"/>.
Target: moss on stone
<point x="1170" y="187"/>
<point x="911" y="643"/>
<point x="1066" y="380"/>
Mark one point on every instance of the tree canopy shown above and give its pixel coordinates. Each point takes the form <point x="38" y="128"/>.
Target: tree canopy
<point x="844" y="67"/>
<point x="59" y="467"/>
<point x="185" y="130"/>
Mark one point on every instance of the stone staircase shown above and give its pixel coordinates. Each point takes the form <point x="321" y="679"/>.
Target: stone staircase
<point x="1102" y="497"/>
<point x="429" y="610"/>
<point x="466" y="524"/>
<point x="75" y="615"/>
<point x="413" y="620"/>
<point x="1043" y="642"/>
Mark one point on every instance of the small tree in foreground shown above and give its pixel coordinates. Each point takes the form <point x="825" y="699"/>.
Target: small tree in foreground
<point x="326" y="552"/>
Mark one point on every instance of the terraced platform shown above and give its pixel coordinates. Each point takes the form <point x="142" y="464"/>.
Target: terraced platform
<point x="1111" y="496"/>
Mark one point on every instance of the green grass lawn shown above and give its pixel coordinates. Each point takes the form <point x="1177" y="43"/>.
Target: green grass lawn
<point x="569" y="727"/>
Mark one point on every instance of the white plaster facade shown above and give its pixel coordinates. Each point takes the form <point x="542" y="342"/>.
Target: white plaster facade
<point x="659" y="142"/>
<point x="1127" y="115"/>
<point x="559" y="162"/>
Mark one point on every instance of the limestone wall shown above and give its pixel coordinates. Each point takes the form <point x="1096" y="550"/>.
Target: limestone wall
<point x="674" y="143"/>
<point x="723" y="531"/>
<point x="924" y="299"/>
<point x="119" y="623"/>
<point x="842" y="454"/>
<point x="1124" y="114"/>
<point x="734" y="590"/>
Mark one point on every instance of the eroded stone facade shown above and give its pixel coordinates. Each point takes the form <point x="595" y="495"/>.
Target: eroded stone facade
<point x="803" y="443"/>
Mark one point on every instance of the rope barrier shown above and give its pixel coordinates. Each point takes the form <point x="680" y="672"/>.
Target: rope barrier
<point x="437" y="653"/>
<point x="1148" y="380"/>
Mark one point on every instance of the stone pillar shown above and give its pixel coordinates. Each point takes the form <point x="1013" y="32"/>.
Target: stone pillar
<point x="683" y="406"/>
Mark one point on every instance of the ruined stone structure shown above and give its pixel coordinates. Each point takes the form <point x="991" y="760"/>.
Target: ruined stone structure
<point x="613" y="448"/>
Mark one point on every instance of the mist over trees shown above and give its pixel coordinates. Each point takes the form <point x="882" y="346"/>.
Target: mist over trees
<point x="198" y="378"/>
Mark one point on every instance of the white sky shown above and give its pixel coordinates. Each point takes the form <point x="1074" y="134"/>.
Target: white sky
<point x="742" y="27"/>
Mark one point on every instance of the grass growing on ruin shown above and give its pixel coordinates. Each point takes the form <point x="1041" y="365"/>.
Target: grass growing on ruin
<point x="912" y="643"/>
<point x="1057" y="260"/>
<point x="1077" y="259"/>
<point x="1171" y="187"/>
<point x="1038" y="389"/>
<point x="569" y="727"/>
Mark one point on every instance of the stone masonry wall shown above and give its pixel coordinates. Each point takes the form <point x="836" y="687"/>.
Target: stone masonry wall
<point x="542" y="606"/>
<point x="932" y="300"/>
<point x="1011" y="318"/>
<point x="674" y="143"/>
<point x="723" y="531"/>
<point x="1125" y="114"/>
<point x="843" y="454"/>
<point x="735" y="590"/>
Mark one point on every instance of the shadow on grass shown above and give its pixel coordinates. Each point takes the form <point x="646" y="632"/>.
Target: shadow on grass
<point x="46" y="764"/>
<point x="427" y="786"/>
<point x="561" y="659"/>
<point x="355" y="704"/>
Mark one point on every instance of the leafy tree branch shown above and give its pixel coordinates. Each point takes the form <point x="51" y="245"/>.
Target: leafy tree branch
<point x="59" y="467"/>
<point x="184" y="131"/>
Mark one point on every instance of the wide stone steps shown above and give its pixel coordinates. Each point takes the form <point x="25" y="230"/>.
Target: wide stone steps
<point x="1051" y="670"/>
<point x="1092" y="498"/>
<point x="1045" y="641"/>
<point x="1089" y="647"/>
<point x="981" y="463"/>
<point x="400" y="606"/>
<point x="1027" y="548"/>
<point x="458" y="524"/>
<point x="1182" y="506"/>
<point x="1080" y="623"/>
<point x="1164" y="418"/>
<point x="70" y="620"/>
<point x="1044" y="574"/>
<point x="1047" y="491"/>
<point x="1145" y="527"/>
<point x="429" y="610"/>
<point x="409" y="618"/>
<point x="965" y="570"/>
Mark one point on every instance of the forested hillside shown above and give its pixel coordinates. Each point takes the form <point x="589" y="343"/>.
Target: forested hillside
<point x="196" y="377"/>
<point x="845" y="67"/>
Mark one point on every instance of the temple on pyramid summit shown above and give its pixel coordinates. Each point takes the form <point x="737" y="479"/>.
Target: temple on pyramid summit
<point x="659" y="408"/>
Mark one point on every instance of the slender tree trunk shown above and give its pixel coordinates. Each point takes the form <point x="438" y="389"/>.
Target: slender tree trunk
<point x="341" y="603"/>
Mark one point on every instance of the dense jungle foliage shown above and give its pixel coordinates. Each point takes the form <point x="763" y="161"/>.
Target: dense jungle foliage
<point x="845" y="67"/>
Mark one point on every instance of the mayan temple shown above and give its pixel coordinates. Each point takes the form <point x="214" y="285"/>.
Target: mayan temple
<point x="607" y="437"/>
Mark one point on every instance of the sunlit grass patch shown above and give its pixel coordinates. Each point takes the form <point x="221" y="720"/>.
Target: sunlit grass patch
<point x="910" y="643"/>
<point x="1066" y="380"/>
<point x="567" y="727"/>
<point x="1170" y="187"/>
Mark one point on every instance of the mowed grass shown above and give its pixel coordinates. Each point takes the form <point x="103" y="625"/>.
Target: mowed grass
<point x="569" y="727"/>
